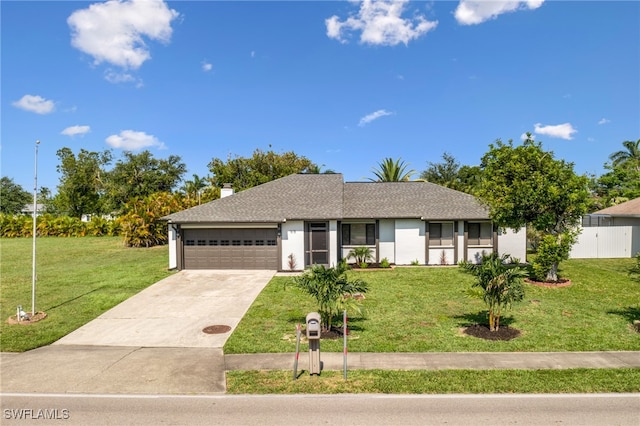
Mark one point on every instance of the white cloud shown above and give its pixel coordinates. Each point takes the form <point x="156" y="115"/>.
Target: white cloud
<point x="604" y="121"/>
<point x="562" y="131"/>
<point x="206" y="67"/>
<point x="75" y="130"/>
<point x="373" y="116"/>
<point x="253" y="53"/>
<point x="34" y="103"/>
<point x="114" y="31"/>
<point x="472" y="12"/>
<point x="380" y="23"/>
<point x="131" y="140"/>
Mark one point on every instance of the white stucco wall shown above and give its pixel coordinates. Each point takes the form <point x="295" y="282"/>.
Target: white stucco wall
<point x="606" y="242"/>
<point x="410" y="242"/>
<point x="387" y="235"/>
<point x="333" y="242"/>
<point x="435" y="255"/>
<point x="173" y="246"/>
<point x="293" y="243"/>
<point x="513" y="243"/>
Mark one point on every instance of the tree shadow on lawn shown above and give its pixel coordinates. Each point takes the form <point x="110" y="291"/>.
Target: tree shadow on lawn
<point x="481" y="318"/>
<point x="631" y="314"/>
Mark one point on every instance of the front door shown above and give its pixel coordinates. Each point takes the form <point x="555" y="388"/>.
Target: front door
<point x="317" y="243"/>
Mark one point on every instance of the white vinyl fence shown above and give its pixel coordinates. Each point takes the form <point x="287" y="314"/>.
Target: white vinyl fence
<point x="607" y="242"/>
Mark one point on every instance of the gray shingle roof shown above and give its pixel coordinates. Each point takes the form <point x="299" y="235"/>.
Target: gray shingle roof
<point x="323" y="197"/>
<point x="299" y="196"/>
<point x="409" y="200"/>
<point x="628" y="208"/>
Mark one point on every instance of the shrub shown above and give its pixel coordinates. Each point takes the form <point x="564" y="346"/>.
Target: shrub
<point x="384" y="263"/>
<point x="500" y="280"/>
<point x="362" y="254"/>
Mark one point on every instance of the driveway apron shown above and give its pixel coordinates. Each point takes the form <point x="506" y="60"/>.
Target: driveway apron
<point x="175" y="311"/>
<point x="152" y="343"/>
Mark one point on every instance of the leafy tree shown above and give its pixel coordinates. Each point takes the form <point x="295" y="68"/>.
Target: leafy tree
<point x="141" y="175"/>
<point x="525" y="185"/>
<point x="450" y="174"/>
<point x="82" y="181"/>
<point x="261" y="167"/>
<point x="13" y="197"/>
<point x="390" y="170"/>
<point x="500" y="281"/>
<point x="332" y="290"/>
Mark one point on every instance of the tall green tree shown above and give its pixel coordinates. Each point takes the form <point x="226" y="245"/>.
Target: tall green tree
<point x="261" y="167"/>
<point x="141" y="175"/>
<point x="13" y="197"/>
<point x="390" y="170"/>
<point x="450" y="174"/>
<point x="82" y="181"/>
<point x="525" y="186"/>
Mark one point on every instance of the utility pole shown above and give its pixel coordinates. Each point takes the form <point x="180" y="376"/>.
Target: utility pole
<point x="35" y="211"/>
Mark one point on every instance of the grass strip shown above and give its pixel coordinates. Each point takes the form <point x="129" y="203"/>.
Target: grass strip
<point x="437" y="382"/>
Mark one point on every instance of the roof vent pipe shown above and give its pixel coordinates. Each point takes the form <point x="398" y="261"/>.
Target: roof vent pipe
<point x="226" y="190"/>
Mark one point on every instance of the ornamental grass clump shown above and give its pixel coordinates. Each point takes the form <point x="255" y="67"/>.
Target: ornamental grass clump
<point x="500" y="280"/>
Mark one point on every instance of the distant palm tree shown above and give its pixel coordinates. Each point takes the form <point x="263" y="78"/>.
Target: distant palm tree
<point x="629" y="157"/>
<point x="390" y="170"/>
<point x="193" y="188"/>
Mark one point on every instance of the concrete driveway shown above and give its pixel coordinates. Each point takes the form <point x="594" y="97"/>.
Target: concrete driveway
<point x="152" y="343"/>
<point x="174" y="311"/>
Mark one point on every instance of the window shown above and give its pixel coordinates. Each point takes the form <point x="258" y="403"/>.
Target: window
<point x="358" y="234"/>
<point x="440" y="234"/>
<point x="271" y="242"/>
<point x="213" y="242"/>
<point x="247" y="243"/>
<point x="235" y="242"/>
<point x="259" y="242"/>
<point x="190" y="243"/>
<point x="224" y="242"/>
<point x="479" y="233"/>
<point x="202" y="242"/>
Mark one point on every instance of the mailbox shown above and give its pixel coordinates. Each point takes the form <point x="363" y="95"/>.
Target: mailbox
<point x="313" y="325"/>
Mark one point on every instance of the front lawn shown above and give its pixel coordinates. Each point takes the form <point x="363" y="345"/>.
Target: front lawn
<point x="78" y="279"/>
<point x="418" y="309"/>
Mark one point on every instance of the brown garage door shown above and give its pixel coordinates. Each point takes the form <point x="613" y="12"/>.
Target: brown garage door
<point x="230" y="249"/>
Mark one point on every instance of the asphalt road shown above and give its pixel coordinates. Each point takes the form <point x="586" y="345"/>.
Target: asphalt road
<point x="78" y="409"/>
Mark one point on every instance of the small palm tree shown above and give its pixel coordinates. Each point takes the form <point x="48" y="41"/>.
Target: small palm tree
<point x="332" y="290"/>
<point x="390" y="170"/>
<point x="361" y="254"/>
<point x="500" y="280"/>
<point x="629" y="157"/>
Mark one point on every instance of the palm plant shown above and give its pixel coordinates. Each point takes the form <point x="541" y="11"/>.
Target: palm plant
<point x="332" y="290"/>
<point x="361" y="254"/>
<point x="630" y="156"/>
<point x="500" y="281"/>
<point x="390" y="170"/>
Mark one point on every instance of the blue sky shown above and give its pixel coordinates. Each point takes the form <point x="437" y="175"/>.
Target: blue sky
<point x="345" y="84"/>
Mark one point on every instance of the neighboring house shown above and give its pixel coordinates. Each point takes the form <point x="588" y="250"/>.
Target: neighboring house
<point x="612" y="232"/>
<point x="318" y="219"/>
<point x="28" y="209"/>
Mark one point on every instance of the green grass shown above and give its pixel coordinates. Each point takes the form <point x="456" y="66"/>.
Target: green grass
<point x="432" y="382"/>
<point x="423" y="309"/>
<point x="78" y="279"/>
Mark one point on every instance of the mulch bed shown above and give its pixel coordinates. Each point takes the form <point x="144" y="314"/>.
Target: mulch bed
<point x="482" y="331"/>
<point x="562" y="282"/>
<point x="39" y="316"/>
